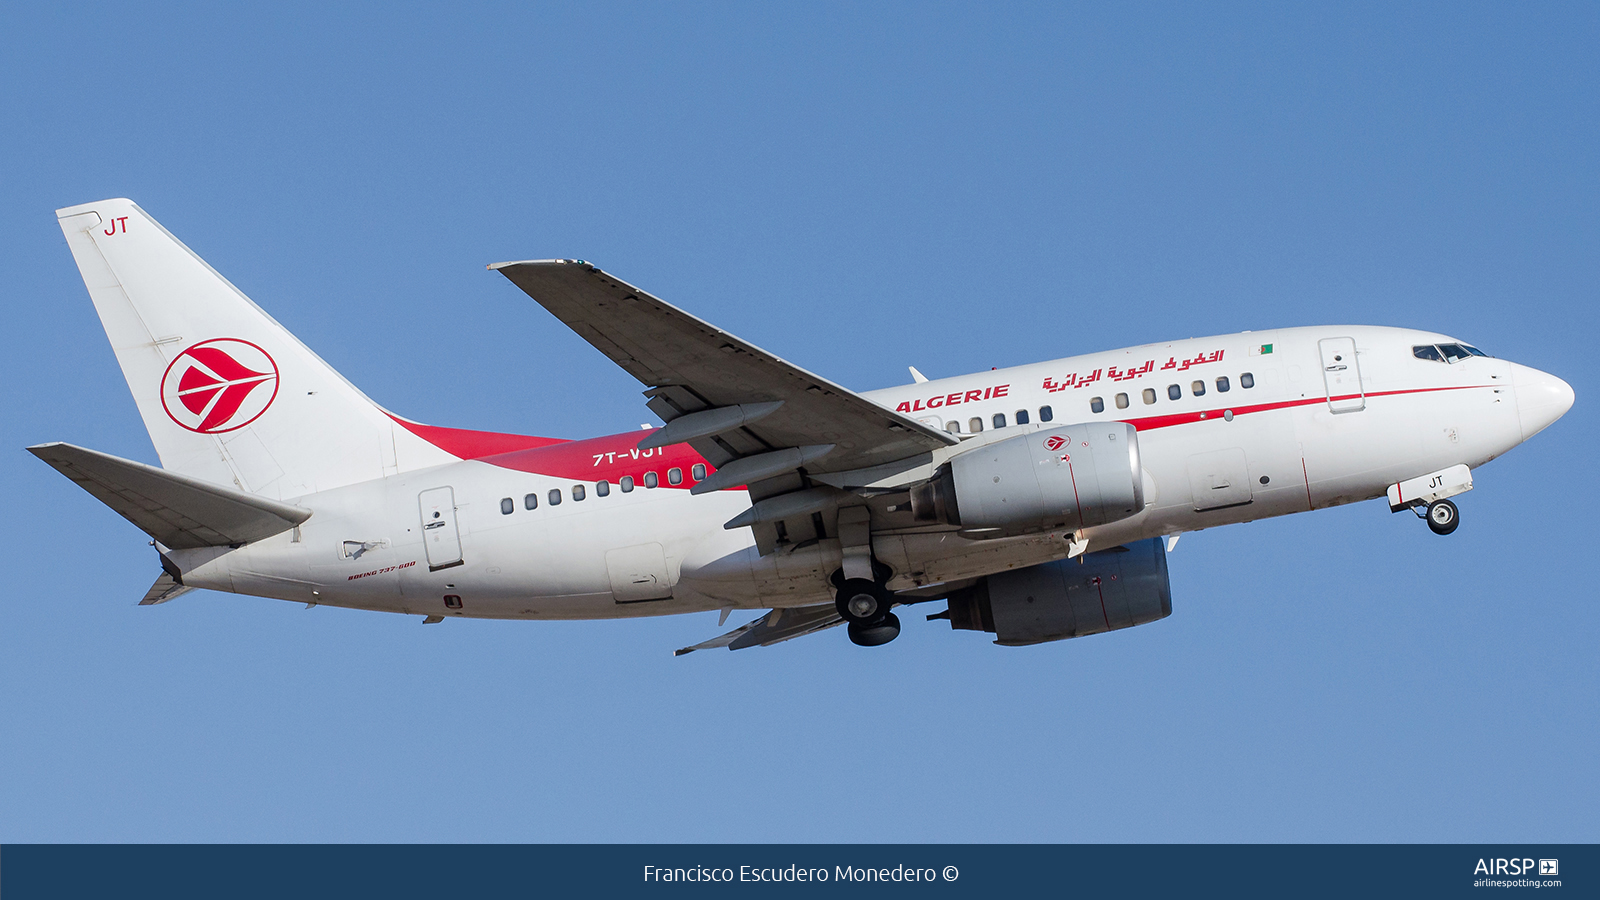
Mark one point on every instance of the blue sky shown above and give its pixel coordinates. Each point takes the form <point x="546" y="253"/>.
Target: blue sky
<point x="857" y="188"/>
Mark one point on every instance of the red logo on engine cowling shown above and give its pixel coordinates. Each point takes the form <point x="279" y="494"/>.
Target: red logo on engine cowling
<point x="1055" y="442"/>
<point x="219" y="385"/>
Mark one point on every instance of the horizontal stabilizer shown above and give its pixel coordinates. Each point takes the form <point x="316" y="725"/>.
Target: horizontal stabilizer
<point x="773" y="628"/>
<point x="165" y="588"/>
<point x="178" y="511"/>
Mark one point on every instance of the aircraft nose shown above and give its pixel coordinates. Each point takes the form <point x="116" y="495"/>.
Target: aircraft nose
<point x="1542" y="398"/>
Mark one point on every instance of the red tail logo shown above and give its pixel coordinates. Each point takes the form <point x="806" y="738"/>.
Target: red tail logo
<point x="219" y="385"/>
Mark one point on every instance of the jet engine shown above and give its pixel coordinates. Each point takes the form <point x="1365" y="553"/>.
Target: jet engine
<point x="1109" y="589"/>
<point x="1072" y="477"/>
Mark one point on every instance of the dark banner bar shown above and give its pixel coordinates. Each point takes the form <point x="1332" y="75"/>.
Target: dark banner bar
<point x="277" y="871"/>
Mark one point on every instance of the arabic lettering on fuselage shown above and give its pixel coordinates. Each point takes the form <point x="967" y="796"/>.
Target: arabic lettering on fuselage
<point x="1114" y="373"/>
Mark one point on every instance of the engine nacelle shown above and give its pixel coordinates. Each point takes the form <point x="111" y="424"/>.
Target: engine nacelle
<point x="1110" y="589"/>
<point x="1072" y="477"/>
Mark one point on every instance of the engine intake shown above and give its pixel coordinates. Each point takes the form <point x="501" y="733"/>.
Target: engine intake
<point x="1072" y="477"/>
<point x="1111" y="589"/>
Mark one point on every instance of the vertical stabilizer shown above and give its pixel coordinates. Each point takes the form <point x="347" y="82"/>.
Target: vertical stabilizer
<point x="227" y="394"/>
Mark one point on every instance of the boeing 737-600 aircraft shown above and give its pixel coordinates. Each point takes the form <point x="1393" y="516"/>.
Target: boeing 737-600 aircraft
<point x="1033" y="500"/>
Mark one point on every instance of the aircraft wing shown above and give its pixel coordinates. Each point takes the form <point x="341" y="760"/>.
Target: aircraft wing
<point x="165" y="588"/>
<point x="775" y="627"/>
<point x="693" y="366"/>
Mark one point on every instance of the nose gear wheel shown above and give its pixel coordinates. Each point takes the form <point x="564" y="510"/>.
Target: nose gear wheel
<point x="1443" y="517"/>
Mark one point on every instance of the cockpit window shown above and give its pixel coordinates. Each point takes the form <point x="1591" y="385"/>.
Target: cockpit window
<point x="1447" y="353"/>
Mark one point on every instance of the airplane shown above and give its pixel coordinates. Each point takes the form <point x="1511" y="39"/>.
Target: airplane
<point x="1038" y="501"/>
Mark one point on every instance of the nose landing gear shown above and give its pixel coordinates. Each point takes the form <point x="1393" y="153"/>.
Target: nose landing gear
<point x="1442" y="516"/>
<point x="1427" y="496"/>
<point x="865" y="605"/>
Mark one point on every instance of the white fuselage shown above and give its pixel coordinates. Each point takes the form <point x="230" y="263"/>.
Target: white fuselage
<point x="1275" y="447"/>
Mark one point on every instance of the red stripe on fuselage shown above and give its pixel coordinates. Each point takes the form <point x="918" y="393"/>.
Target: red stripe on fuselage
<point x="605" y="458"/>
<point x="474" y="444"/>
<point x="1150" y="423"/>
<point x="612" y="456"/>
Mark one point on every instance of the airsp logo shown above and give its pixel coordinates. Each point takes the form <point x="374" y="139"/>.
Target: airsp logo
<point x="219" y="385"/>
<point x="1516" y="867"/>
<point x="1055" y="442"/>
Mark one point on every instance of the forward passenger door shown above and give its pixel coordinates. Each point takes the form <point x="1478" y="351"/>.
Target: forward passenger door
<point x="1341" y="374"/>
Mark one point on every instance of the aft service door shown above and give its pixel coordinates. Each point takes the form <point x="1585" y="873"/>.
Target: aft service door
<point x="439" y="533"/>
<point x="1342" y="375"/>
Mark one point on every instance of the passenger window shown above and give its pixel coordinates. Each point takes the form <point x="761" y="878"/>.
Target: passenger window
<point x="626" y="483"/>
<point x="1428" y="352"/>
<point x="1046" y="414"/>
<point x="1122" y="401"/>
<point x="1174" y="392"/>
<point x="577" y="492"/>
<point x="555" y="496"/>
<point x="975" y="424"/>
<point x="953" y="427"/>
<point x="1022" y="417"/>
<point x="674" y="475"/>
<point x="650" y="480"/>
<point x="698" y="473"/>
<point x="1149" y="396"/>
<point x="602" y="488"/>
<point x="1096" y="404"/>
<point x="999" y="420"/>
<point x="507" y="506"/>
<point x="1198" y="388"/>
<point x="530" y="501"/>
<point x="1222" y="384"/>
<point x="1247" y="381"/>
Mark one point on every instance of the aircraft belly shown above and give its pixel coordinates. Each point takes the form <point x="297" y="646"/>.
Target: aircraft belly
<point x="946" y="556"/>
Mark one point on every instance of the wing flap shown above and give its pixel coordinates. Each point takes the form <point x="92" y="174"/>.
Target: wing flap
<point x="178" y="511"/>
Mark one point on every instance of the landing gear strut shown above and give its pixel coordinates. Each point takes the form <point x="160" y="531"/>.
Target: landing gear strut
<point x="864" y="605"/>
<point x="1443" y="517"/>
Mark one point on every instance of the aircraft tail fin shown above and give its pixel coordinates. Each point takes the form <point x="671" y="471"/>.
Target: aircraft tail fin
<point x="228" y="395"/>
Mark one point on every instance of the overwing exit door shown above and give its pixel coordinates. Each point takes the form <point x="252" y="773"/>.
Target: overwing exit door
<point x="440" y="536"/>
<point x="1342" y="375"/>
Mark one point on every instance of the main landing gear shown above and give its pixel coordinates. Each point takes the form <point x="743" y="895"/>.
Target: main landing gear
<point x="1442" y="516"/>
<point x="864" y="606"/>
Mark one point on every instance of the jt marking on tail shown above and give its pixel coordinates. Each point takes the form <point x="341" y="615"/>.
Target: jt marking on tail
<point x="118" y="221"/>
<point x="219" y="385"/>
